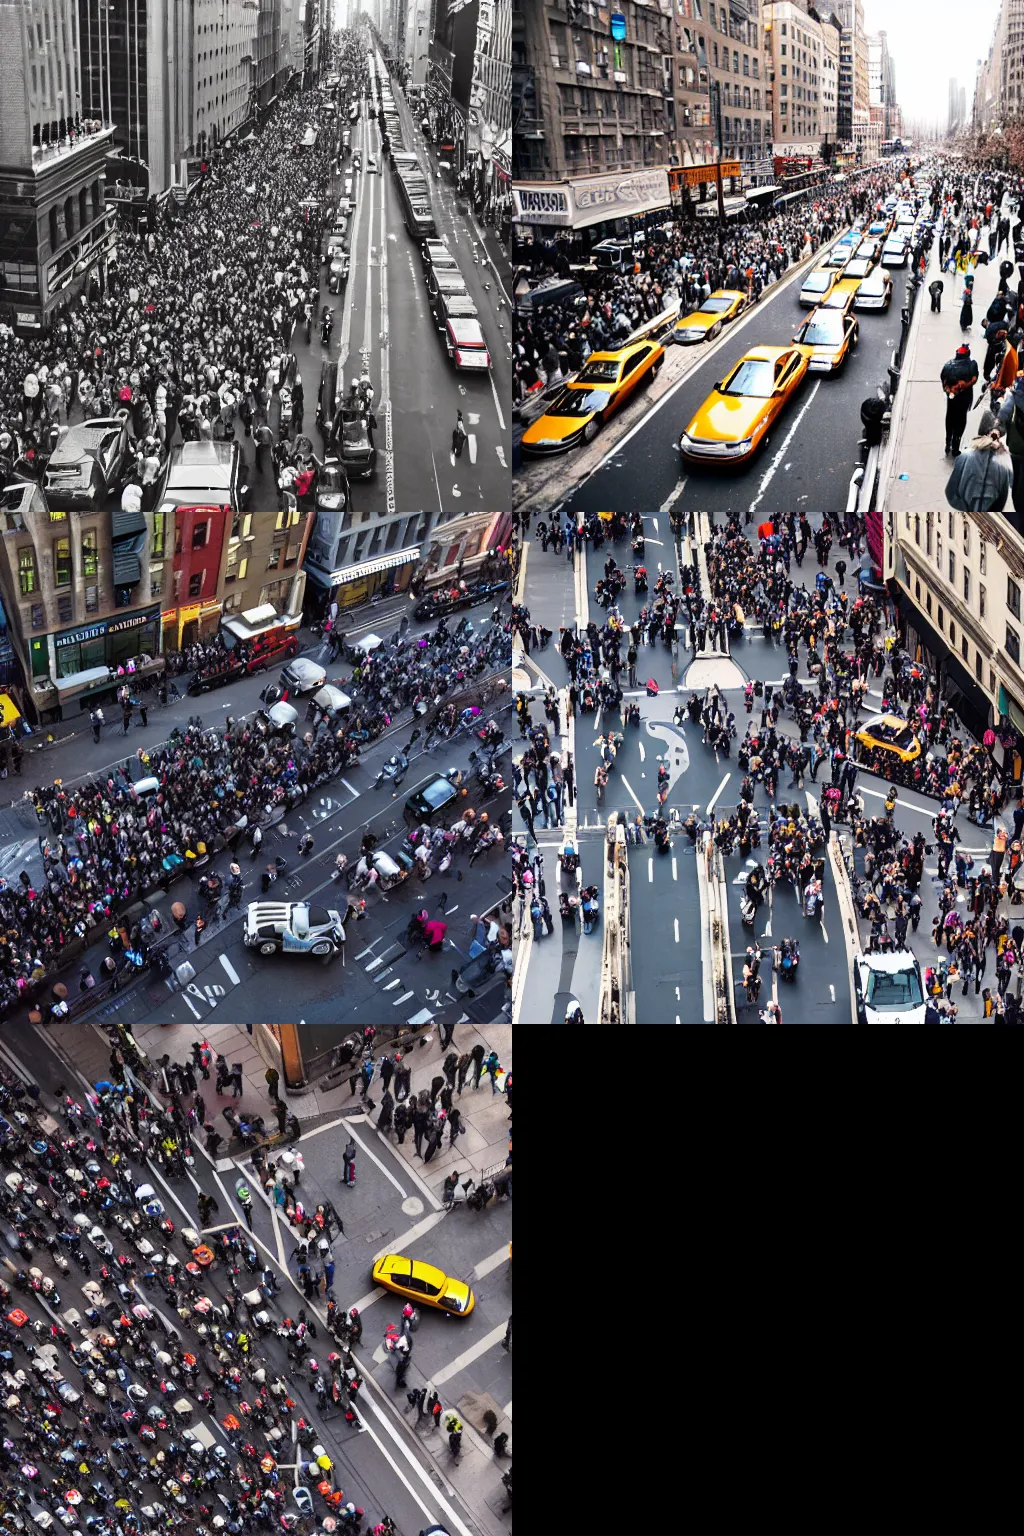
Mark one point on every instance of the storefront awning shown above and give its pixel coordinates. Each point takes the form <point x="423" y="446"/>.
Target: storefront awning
<point x="368" y="568"/>
<point x="85" y="679"/>
<point x="127" y="567"/>
<point x="768" y="191"/>
<point x="125" y="525"/>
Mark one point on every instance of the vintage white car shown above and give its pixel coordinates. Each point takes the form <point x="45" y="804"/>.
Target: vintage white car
<point x="294" y="927"/>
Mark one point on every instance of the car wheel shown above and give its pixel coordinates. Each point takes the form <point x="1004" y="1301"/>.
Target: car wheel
<point x="592" y="428"/>
<point x="856" y="336"/>
<point x="269" y="948"/>
<point x="326" y="948"/>
<point x="715" y="329"/>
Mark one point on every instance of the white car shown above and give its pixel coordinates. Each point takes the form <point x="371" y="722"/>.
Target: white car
<point x="895" y="252"/>
<point x="888" y="988"/>
<point x="303" y="675"/>
<point x="292" y="927"/>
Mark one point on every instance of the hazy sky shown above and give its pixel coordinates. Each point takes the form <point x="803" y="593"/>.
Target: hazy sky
<point x="931" y="40"/>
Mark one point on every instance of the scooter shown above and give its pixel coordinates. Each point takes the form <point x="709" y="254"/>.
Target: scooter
<point x="326" y="324"/>
<point x="396" y="768"/>
<point x="812" y="899"/>
<point x="748" y="911"/>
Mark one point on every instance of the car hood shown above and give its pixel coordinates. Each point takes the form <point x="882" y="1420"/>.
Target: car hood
<point x="555" y="427"/>
<point x="818" y="349"/>
<point x="727" y="418"/>
<point x="698" y="321"/>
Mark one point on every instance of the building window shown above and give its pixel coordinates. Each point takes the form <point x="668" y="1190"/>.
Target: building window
<point x="967" y="537"/>
<point x="156" y="544"/>
<point x="27" y="577"/>
<point x="938" y="549"/>
<point x="942" y="617"/>
<point x="977" y="665"/>
<point x="195" y="584"/>
<point x="952" y="631"/>
<point x="928" y="534"/>
<point x="90" y="555"/>
<point x="967" y="585"/>
<point x="1013" y="597"/>
<point x="65" y="610"/>
<point x="981" y="599"/>
<point x="952" y="569"/>
<point x="965" y="649"/>
<point x="92" y="599"/>
<point x="243" y="566"/>
<point x="62" y="562"/>
<point x="950" y="515"/>
<point x="231" y="569"/>
<point x="156" y="581"/>
<point x="991" y="681"/>
<point x="273" y="560"/>
<point x="199" y="533"/>
<point x="1012" y="643"/>
<point x="38" y="616"/>
<point x="981" y="556"/>
<point x="917" y="589"/>
<point x="928" y="602"/>
<point x="917" y="529"/>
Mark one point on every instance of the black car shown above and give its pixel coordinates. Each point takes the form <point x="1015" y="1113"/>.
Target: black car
<point x="355" y="445"/>
<point x="434" y="795"/>
<point x="437" y="605"/>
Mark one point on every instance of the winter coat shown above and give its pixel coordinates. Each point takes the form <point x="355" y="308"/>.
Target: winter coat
<point x="981" y="477"/>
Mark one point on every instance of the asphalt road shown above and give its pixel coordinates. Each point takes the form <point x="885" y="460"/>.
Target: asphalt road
<point x="380" y="1465"/>
<point x="813" y="448"/>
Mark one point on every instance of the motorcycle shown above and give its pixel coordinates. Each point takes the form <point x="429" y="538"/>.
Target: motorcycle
<point x="396" y="767"/>
<point x="748" y="911"/>
<point x="590" y="908"/>
<point x="812" y="899"/>
<point x="326" y="324"/>
<point x="286" y="407"/>
<point x="787" y="959"/>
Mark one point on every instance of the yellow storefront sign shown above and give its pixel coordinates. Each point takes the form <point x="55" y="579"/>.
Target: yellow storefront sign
<point x="9" y="711"/>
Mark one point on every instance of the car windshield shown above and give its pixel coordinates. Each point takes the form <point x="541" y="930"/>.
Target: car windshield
<point x="354" y="433"/>
<point x="455" y="1302"/>
<point x="715" y="306"/>
<point x="754" y="376"/>
<point x="817" y="282"/>
<point x="603" y="370"/>
<point x="891" y="991"/>
<point x="896" y="735"/>
<point x="437" y="793"/>
<point x="578" y="402"/>
<point x="825" y="330"/>
<point x="858" y="268"/>
<point x="330" y="479"/>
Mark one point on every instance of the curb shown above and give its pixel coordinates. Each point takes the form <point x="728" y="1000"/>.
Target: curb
<point x="847" y="911"/>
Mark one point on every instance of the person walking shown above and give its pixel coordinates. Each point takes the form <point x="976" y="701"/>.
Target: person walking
<point x="96" y="721"/>
<point x="348" y="1158"/>
<point x="434" y="1408"/>
<point x="981" y="478"/>
<point x="459" y="435"/>
<point x="958" y="378"/>
<point x="477" y="1054"/>
<point x="245" y="1201"/>
<point x="493" y="1067"/>
<point x="1011" y="423"/>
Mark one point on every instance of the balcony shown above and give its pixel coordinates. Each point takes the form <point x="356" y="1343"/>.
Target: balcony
<point x="88" y="137"/>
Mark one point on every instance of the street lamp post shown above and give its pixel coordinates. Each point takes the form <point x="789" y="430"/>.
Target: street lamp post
<point x="716" y="102"/>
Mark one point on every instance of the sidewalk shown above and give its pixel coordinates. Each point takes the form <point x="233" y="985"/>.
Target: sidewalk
<point x="917" y="468"/>
<point x="485" y="1146"/>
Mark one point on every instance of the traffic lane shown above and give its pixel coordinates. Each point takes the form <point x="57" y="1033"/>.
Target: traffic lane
<point x="458" y="1354"/>
<point x="427" y="391"/>
<point x="666" y="934"/>
<point x="820" y="993"/>
<point x="824" y="423"/>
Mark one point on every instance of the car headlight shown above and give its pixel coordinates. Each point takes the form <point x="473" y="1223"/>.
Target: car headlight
<point x="685" y="440"/>
<point x="741" y="447"/>
<point x="547" y="442"/>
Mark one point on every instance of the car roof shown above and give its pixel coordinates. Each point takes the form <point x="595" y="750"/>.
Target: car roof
<point x="764" y="354"/>
<point x="727" y="293"/>
<point x="613" y="354"/>
<point x="894" y="722"/>
<point x="79" y="441"/>
<point x="466" y="331"/>
<point x="893" y="960"/>
<point x="300" y="664"/>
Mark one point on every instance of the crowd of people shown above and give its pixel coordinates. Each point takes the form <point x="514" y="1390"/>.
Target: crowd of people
<point x="99" y="1426"/>
<point x="191" y="329"/>
<point x="685" y="260"/>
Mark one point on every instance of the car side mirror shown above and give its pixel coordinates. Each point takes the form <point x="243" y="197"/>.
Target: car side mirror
<point x="718" y="386"/>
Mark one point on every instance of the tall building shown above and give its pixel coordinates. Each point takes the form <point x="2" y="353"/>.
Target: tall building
<point x="417" y="41"/>
<point x="56" y="231"/>
<point x="741" y="114"/>
<point x="804" y="54"/>
<point x="854" y="96"/>
<point x="349" y="559"/>
<point x="693" y="133"/>
<point x="584" y="99"/>
<point x="882" y="81"/>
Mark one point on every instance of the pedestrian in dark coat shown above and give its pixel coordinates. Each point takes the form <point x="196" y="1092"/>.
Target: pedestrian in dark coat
<point x="387" y="1105"/>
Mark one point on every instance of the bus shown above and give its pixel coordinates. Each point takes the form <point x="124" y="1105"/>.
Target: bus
<point x="799" y="183"/>
<point x="248" y="642"/>
<point x="308" y="140"/>
<point x="414" y="195"/>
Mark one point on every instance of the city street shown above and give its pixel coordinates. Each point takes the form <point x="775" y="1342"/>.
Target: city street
<point x="388" y="1461"/>
<point x="634" y="464"/>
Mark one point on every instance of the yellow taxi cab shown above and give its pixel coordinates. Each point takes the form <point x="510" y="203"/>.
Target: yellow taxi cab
<point x="817" y="286"/>
<point x="827" y="338"/>
<point x="583" y="404"/>
<point x="423" y="1284"/>
<point x="705" y="323"/>
<point x="853" y="274"/>
<point x="882" y="736"/>
<point x="734" y="420"/>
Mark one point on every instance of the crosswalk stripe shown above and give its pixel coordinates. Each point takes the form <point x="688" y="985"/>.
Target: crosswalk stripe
<point x="231" y="972"/>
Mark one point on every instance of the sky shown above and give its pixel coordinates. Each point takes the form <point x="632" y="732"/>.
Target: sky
<point x="930" y="41"/>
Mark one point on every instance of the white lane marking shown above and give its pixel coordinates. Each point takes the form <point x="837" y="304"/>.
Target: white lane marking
<point x="673" y="496"/>
<point x="392" y="985"/>
<point x="403" y="999"/>
<point x="485" y="1266"/>
<point x="922" y="810"/>
<point x="191" y="1004"/>
<point x="438" y="1378"/>
<point x="675" y="924"/>
<point x="629" y="791"/>
<point x="643" y="754"/>
<point x="823" y="933"/>
<point x="769" y="474"/>
<point x="497" y="402"/>
<point x="229" y="968"/>
<point x="650" y="870"/>
<point x="675" y="872"/>
<point x="718" y="791"/>
<point x="832" y="990"/>
<point x="376" y="1160"/>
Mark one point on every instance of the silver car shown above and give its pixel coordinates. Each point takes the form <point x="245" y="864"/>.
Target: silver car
<point x="86" y="463"/>
<point x="303" y="676"/>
